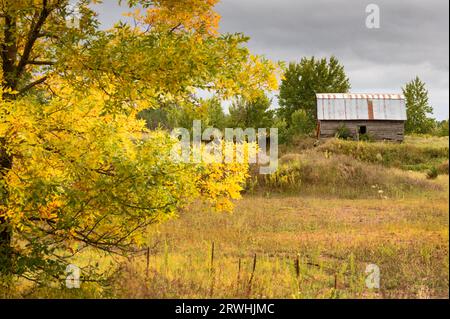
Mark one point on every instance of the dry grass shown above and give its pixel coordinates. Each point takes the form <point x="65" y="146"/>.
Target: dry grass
<point x="332" y="239"/>
<point x="427" y="141"/>
<point x="333" y="175"/>
<point x="416" y="153"/>
<point x="305" y="247"/>
<point x="333" y="216"/>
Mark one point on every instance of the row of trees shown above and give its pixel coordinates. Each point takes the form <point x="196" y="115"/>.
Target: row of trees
<point x="242" y="113"/>
<point x="296" y="114"/>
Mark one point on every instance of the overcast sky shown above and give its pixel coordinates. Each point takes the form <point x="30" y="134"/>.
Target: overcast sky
<point x="412" y="38"/>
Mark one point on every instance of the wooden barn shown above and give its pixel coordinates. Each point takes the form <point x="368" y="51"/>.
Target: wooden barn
<point x="378" y="116"/>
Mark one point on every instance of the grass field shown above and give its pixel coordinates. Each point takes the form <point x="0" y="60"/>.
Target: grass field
<point x="416" y="153"/>
<point x="305" y="247"/>
<point x="312" y="241"/>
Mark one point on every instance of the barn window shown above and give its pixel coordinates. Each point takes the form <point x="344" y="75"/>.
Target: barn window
<point x="362" y="129"/>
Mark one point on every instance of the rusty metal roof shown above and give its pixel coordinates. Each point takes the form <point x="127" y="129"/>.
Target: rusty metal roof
<point x="355" y="106"/>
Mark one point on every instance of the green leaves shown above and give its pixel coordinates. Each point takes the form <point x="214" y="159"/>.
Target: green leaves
<point x="417" y="108"/>
<point x="254" y="113"/>
<point x="303" y="80"/>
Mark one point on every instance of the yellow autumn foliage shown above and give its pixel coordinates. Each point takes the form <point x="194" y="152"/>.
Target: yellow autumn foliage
<point x="78" y="169"/>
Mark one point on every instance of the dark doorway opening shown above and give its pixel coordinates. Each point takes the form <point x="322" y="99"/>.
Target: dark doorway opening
<point x="362" y="130"/>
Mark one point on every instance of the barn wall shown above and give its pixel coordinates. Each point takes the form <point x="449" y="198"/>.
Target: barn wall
<point x="380" y="130"/>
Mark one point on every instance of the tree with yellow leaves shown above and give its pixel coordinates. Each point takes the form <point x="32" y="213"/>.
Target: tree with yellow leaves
<point x="77" y="168"/>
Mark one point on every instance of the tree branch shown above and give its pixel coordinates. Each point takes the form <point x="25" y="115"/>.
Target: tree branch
<point x="32" y="37"/>
<point x="48" y="35"/>
<point x="34" y="62"/>
<point x="33" y="84"/>
<point x="175" y="27"/>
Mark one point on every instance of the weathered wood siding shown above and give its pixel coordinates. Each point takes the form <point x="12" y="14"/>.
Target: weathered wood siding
<point x="379" y="130"/>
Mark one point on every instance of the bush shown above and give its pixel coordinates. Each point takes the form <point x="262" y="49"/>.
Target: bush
<point x="285" y="179"/>
<point x="432" y="173"/>
<point x="343" y="132"/>
<point x="366" y="137"/>
<point x="441" y="128"/>
<point x="284" y="134"/>
<point x="301" y="123"/>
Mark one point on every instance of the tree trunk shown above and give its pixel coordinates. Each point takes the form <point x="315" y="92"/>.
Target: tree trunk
<point x="5" y="229"/>
<point x="8" y="57"/>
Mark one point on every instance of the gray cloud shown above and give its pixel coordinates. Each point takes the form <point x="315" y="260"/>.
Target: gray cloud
<point x="412" y="39"/>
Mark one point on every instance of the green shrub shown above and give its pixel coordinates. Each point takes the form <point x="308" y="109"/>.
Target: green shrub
<point x="284" y="134"/>
<point x="301" y="123"/>
<point x="367" y="137"/>
<point x="441" y="128"/>
<point x="343" y="132"/>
